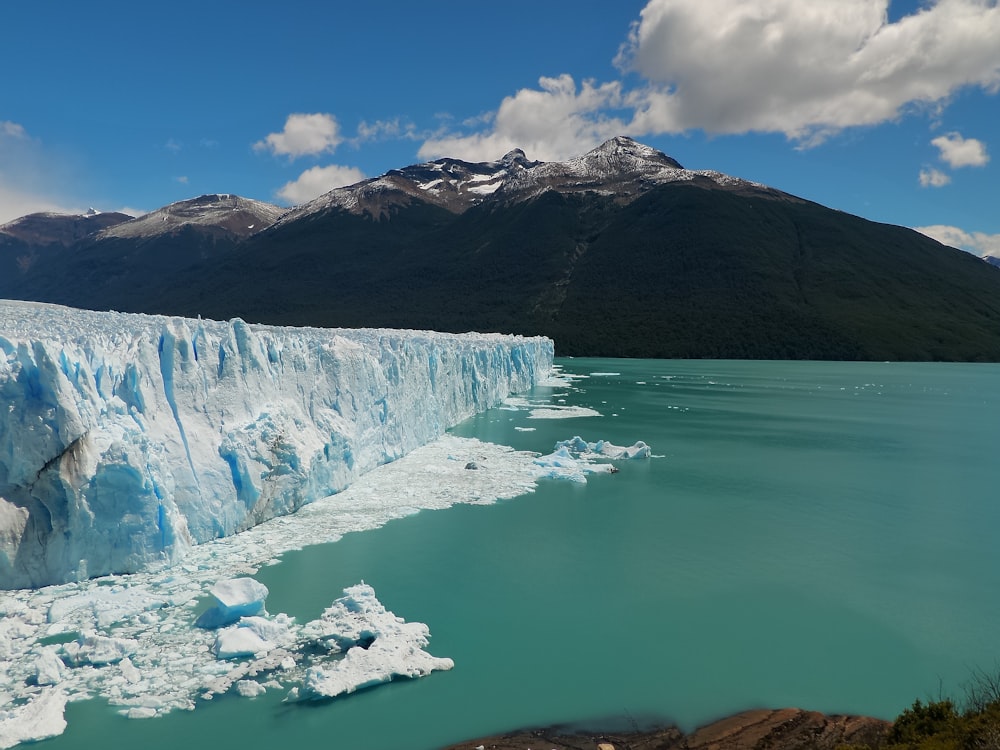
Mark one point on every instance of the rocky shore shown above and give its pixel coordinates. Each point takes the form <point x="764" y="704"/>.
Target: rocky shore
<point x="765" y="729"/>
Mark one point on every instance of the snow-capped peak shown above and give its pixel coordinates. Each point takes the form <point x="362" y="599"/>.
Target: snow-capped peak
<point x="621" y="151"/>
<point x="620" y="168"/>
<point x="517" y="156"/>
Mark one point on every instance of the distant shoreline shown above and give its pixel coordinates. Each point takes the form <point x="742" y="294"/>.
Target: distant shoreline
<point x="780" y="729"/>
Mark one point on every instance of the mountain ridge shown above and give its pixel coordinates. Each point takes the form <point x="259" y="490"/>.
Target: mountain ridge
<point x="619" y="252"/>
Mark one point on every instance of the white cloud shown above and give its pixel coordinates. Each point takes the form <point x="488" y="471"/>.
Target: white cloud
<point x="804" y="69"/>
<point x="977" y="243"/>
<point x="183" y="180"/>
<point x="303" y="135"/>
<point x="318" y="180"/>
<point x="556" y="121"/>
<point x="933" y="178"/>
<point x="961" y="152"/>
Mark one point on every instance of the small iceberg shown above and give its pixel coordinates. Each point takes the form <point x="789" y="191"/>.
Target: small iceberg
<point x="377" y="645"/>
<point x="235" y="598"/>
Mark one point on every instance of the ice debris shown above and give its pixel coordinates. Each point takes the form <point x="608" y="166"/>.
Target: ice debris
<point x="38" y="719"/>
<point x="167" y="664"/>
<point x="573" y="459"/>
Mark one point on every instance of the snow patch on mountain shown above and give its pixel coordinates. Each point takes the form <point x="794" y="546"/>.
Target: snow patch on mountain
<point x="620" y="168"/>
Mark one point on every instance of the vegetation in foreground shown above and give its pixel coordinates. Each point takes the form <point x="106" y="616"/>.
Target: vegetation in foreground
<point x="944" y="724"/>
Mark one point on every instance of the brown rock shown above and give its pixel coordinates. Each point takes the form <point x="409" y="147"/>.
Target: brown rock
<point x="765" y="729"/>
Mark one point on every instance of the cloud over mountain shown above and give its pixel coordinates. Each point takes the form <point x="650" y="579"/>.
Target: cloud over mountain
<point x="303" y="135"/>
<point x="806" y="70"/>
<point x="318" y="180"/>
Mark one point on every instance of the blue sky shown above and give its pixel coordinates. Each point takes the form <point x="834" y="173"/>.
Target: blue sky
<point x="885" y="110"/>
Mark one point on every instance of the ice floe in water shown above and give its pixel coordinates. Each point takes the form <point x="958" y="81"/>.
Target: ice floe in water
<point x="544" y="409"/>
<point x="132" y="640"/>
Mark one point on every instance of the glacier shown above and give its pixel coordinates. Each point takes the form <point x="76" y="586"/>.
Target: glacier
<point x="127" y="439"/>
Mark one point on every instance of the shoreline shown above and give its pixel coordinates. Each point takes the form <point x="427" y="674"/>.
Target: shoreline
<point x="773" y="729"/>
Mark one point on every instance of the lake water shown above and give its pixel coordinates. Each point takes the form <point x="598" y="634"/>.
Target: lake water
<point x="820" y="535"/>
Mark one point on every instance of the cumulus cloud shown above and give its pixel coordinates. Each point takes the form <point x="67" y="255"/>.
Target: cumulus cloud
<point x="556" y="121"/>
<point x="303" y="135"/>
<point x="318" y="180"/>
<point x="803" y="69"/>
<point x="961" y="152"/>
<point x="933" y="178"/>
<point x="807" y="70"/>
<point x="977" y="243"/>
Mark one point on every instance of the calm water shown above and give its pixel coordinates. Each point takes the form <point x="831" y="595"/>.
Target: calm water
<point x="813" y="534"/>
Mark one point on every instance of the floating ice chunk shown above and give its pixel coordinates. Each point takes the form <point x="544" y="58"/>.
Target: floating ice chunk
<point x="235" y="642"/>
<point x="253" y="636"/>
<point x="250" y="688"/>
<point x="129" y="671"/>
<point x="48" y="667"/>
<point x="97" y="650"/>
<point x="573" y="459"/>
<point x="400" y="655"/>
<point x="141" y="712"/>
<point x="235" y="598"/>
<point x="604" y="448"/>
<point x="379" y="646"/>
<point x="562" y="464"/>
<point x="563" y="412"/>
<point x="42" y="717"/>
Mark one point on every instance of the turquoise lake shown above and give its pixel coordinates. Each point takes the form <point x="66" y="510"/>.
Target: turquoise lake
<point x="820" y="535"/>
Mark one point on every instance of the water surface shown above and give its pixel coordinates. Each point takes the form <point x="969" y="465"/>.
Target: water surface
<point x="819" y="535"/>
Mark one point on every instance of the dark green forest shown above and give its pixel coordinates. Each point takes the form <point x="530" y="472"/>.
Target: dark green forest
<point x="682" y="271"/>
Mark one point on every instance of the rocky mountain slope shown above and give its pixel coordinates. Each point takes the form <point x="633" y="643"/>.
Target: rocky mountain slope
<point x="619" y="252"/>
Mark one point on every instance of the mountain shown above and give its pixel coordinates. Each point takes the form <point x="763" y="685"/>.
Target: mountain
<point x="33" y="239"/>
<point x="126" y="260"/>
<point x="619" y="252"/>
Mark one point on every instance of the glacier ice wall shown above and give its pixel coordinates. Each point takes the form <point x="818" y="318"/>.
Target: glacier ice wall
<point x="124" y="439"/>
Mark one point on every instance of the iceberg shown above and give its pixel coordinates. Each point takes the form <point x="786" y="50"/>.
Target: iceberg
<point x="234" y="598"/>
<point x="377" y="646"/>
<point x="127" y="439"/>
<point x="575" y="458"/>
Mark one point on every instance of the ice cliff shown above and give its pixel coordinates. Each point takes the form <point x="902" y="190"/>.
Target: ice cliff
<point x="125" y="439"/>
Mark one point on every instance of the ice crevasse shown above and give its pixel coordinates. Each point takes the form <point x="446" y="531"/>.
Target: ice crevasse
<point x="125" y="439"/>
